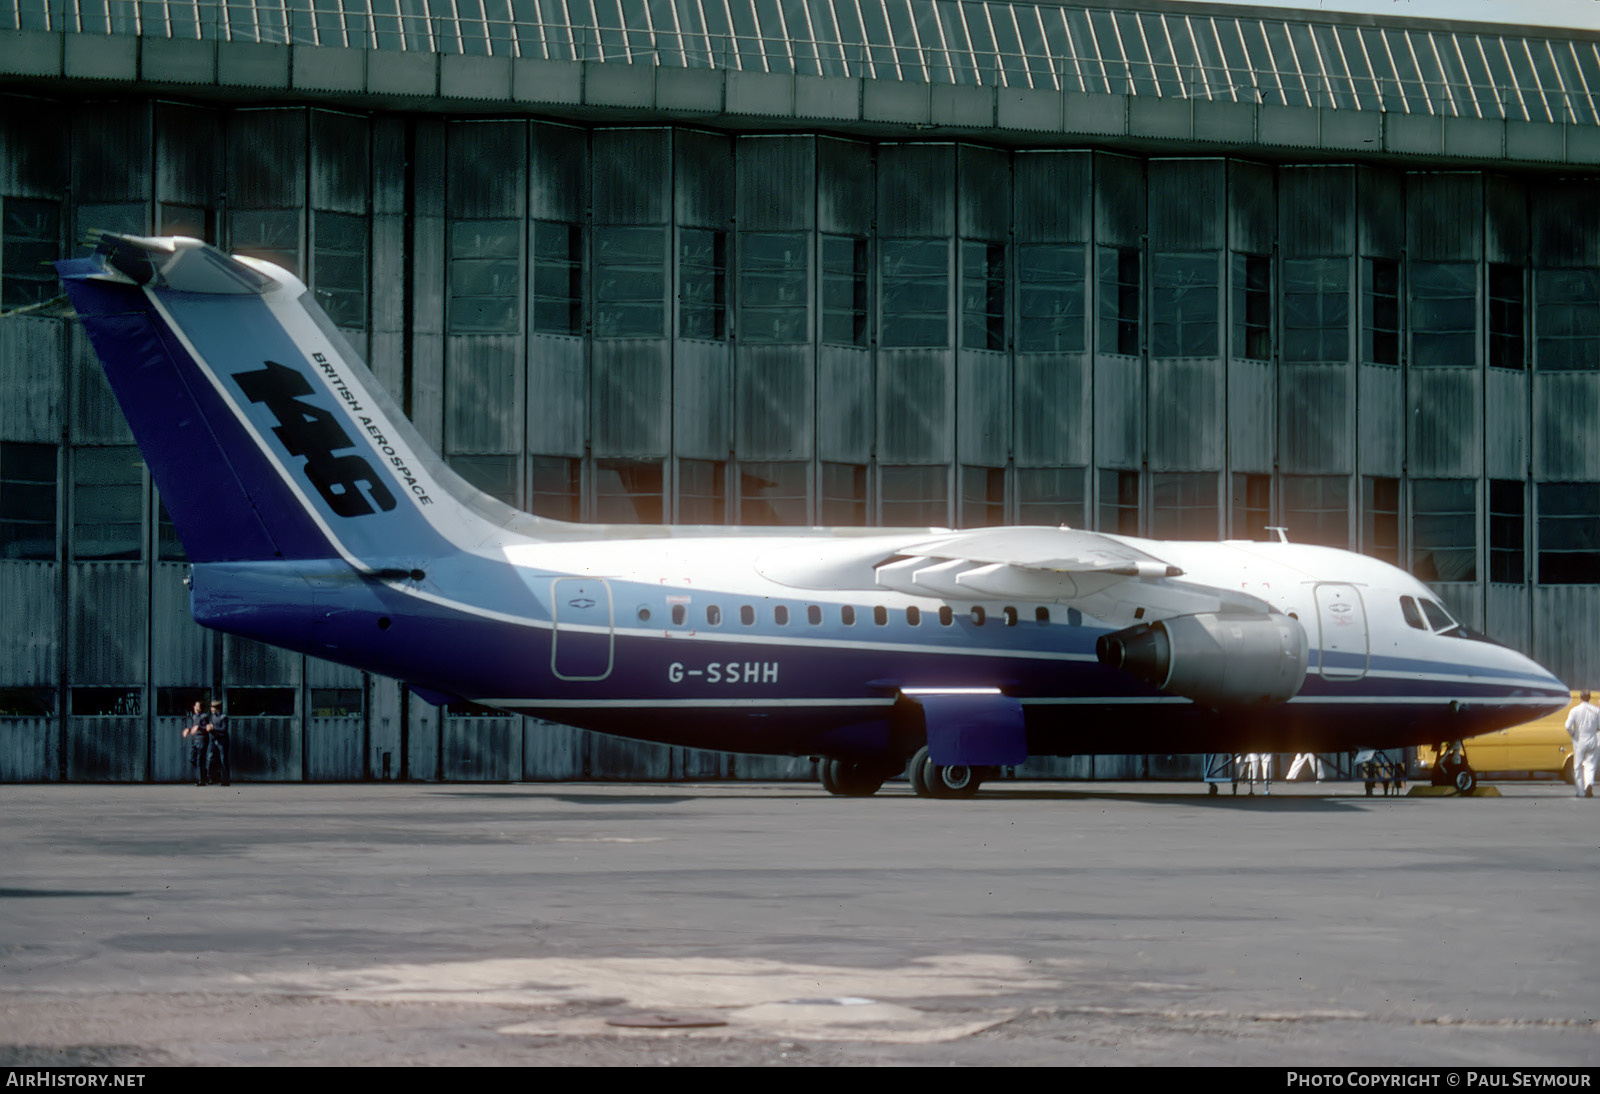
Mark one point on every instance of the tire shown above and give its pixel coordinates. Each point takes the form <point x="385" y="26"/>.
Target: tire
<point x="849" y="779"/>
<point x="917" y="773"/>
<point x="1569" y="773"/>
<point x="956" y="781"/>
<point x="1466" y="780"/>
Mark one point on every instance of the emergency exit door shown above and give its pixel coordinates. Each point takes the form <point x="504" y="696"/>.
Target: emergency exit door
<point x="581" y="641"/>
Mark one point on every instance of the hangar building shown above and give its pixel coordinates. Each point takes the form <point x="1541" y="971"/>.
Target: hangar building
<point x="1182" y="269"/>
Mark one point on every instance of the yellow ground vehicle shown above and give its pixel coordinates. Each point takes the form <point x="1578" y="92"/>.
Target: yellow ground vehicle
<point x="1539" y="747"/>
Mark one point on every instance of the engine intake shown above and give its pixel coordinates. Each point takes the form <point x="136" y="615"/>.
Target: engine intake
<point x="1216" y="659"/>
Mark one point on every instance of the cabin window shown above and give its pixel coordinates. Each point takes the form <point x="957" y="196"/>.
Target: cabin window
<point x="880" y="615"/>
<point x="1409" y="609"/>
<point x="847" y="615"/>
<point x="678" y="615"/>
<point x="747" y="615"/>
<point x="977" y="615"/>
<point x="913" y="616"/>
<point x="814" y="615"/>
<point x="1041" y="614"/>
<point x="946" y="616"/>
<point x="644" y="615"/>
<point x="713" y="615"/>
<point x="780" y="615"/>
<point x="1010" y="615"/>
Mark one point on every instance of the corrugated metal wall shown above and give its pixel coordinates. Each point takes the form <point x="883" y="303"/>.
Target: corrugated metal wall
<point x="80" y="628"/>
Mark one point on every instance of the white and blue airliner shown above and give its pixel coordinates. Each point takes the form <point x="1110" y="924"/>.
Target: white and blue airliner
<point x="316" y="519"/>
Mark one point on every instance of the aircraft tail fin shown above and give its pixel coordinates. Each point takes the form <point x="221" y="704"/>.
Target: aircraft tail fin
<point x="266" y="435"/>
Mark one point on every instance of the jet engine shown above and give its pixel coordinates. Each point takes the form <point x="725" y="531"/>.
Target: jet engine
<point x="1217" y="659"/>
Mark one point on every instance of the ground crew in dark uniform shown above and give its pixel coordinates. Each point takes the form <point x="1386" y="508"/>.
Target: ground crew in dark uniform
<point x="217" y="737"/>
<point x="199" y="743"/>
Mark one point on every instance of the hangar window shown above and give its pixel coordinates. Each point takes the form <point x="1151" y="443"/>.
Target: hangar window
<point x="983" y="497"/>
<point x="1316" y="509"/>
<point x="1507" y="531"/>
<point x="336" y="702"/>
<point x="1569" y="532"/>
<point x="557" y="278"/>
<point x="339" y="267"/>
<point x="1252" y="505"/>
<point x="915" y="282"/>
<point x="1050" y="495"/>
<point x="553" y="486"/>
<point x="1380" y="519"/>
<point x="27" y="702"/>
<point x="983" y="295"/>
<point x="915" y="497"/>
<point x="272" y="235"/>
<point x="773" y="493"/>
<point x="122" y="217"/>
<point x="1507" y="309"/>
<point x="1316" y="309"/>
<point x="1119" y="502"/>
<point x="1184" y="305"/>
<point x="702" y="284"/>
<point x="1444" y="314"/>
<point x="1380" y="311"/>
<point x="27" y="501"/>
<point x="1567" y="319"/>
<point x="194" y="221"/>
<point x="1051" y="287"/>
<point x="844" y="290"/>
<point x="1118" y="277"/>
<point x="106" y="702"/>
<point x="702" y="492"/>
<point x="1252" y="307"/>
<point x="844" y="494"/>
<point x="494" y="475"/>
<point x="107" y="503"/>
<point x="630" y="282"/>
<point x="1183" y="505"/>
<point x="1444" y="529"/>
<point x="30" y="236"/>
<point x="627" y="491"/>
<point x="485" y="276"/>
<point x="772" y="287"/>
<point x="269" y="703"/>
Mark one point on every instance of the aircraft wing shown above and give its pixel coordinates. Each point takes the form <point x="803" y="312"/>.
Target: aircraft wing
<point x="1033" y="563"/>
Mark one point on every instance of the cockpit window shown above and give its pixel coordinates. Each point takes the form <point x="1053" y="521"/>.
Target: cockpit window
<point x="1438" y="618"/>
<point x="1408" y="608"/>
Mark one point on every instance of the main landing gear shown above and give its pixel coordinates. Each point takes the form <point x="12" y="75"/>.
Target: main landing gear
<point x="931" y="780"/>
<point x="854" y="779"/>
<point x="850" y="779"/>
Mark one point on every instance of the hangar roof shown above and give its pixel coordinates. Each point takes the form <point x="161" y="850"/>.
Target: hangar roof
<point x="1265" y="56"/>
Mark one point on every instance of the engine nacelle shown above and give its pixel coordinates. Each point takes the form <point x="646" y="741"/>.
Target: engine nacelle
<point x="1216" y="659"/>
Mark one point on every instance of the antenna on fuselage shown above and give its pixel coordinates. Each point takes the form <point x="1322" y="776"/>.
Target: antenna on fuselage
<point x="1283" y="532"/>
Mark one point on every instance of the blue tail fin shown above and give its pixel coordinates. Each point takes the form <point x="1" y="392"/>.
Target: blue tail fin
<point x="265" y="434"/>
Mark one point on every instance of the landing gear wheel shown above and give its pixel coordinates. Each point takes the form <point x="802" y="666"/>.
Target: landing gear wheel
<point x="931" y="780"/>
<point x="849" y="779"/>
<point x="1466" y="780"/>
<point x="1569" y="773"/>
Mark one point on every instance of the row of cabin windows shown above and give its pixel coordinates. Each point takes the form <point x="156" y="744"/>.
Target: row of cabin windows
<point x="847" y="615"/>
<point x="1032" y="297"/>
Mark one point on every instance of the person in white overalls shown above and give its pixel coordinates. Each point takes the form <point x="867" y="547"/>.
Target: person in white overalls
<point x="1583" y="726"/>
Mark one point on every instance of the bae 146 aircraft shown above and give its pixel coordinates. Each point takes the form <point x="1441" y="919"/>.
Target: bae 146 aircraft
<point x="316" y="519"/>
